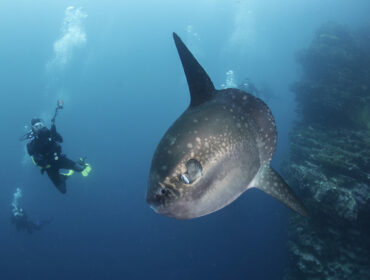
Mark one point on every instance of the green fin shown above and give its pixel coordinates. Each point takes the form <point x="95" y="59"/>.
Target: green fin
<point x="33" y="160"/>
<point x="87" y="170"/>
<point x="269" y="181"/>
<point x="69" y="173"/>
<point x="200" y="85"/>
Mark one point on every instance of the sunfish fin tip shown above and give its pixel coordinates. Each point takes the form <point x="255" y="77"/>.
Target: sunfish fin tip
<point x="269" y="181"/>
<point x="200" y="85"/>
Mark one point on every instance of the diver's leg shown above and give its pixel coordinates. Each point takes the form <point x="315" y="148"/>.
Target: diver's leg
<point x="66" y="163"/>
<point x="57" y="179"/>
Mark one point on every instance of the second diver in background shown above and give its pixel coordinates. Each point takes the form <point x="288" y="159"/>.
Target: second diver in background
<point x="20" y="218"/>
<point x="46" y="152"/>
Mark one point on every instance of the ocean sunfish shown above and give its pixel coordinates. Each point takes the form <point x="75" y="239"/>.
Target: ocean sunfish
<point x="217" y="149"/>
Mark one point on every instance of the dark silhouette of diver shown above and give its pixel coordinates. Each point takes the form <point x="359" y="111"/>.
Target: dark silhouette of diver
<point x="23" y="223"/>
<point x="20" y="218"/>
<point x="46" y="152"/>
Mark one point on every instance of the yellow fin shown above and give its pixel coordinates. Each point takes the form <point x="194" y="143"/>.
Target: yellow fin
<point x="69" y="173"/>
<point x="87" y="170"/>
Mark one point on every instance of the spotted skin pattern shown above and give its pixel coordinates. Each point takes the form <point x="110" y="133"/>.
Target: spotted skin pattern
<point x="232" y="134"/>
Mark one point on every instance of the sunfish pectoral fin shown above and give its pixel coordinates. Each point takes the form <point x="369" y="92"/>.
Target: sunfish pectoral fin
<point x="200" y="85"/>
<point x="269" y="181"/>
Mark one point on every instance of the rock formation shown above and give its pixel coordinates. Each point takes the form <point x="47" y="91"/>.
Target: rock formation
<point x="329" y="163"/>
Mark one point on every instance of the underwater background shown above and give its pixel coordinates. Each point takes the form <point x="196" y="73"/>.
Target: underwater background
<point x="115" y="66"/>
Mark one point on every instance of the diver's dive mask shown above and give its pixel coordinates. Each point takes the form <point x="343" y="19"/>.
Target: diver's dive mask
<point x="37" y="127"/>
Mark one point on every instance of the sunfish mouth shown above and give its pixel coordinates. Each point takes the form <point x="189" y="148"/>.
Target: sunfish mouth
<point x="158" y="196"/>
<point x="160" y="209"/>
<point x="172" y="209"/>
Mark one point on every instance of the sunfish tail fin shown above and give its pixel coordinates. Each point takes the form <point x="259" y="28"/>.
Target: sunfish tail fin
<point x="200" y="85"/>
<point x="269" y="181"/>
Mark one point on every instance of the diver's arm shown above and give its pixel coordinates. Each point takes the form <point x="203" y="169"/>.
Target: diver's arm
<point x="56" y="136"/>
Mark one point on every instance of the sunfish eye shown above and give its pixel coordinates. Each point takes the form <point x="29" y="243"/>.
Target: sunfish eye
<point x="193" y="171"/>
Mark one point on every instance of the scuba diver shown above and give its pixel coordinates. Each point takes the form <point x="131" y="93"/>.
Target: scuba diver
<point x="20" y="218"/>
<point x="22" y="223"/>
<point x="46" y="152"/>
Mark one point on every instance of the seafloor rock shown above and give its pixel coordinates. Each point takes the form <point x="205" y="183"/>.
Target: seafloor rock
<point x="329" y="163"/>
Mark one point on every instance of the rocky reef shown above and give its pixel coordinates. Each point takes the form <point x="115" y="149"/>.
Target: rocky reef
<point x="329" y="162"/>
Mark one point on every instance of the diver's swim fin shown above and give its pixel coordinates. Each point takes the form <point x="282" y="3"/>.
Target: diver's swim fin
<point x="82" y="164"/>
<point x="87" y="170"/>
<point x="68" y="173"/>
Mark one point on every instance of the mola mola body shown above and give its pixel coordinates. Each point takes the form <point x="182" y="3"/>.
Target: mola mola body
<point x="217" y="149"/>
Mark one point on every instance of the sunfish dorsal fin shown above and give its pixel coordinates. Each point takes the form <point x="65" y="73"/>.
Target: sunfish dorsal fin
<point x="200" y="85"/>
<point x="269" y="181"/>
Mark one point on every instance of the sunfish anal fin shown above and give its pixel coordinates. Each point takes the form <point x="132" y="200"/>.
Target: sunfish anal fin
<point x="200" y="85"/>
<point x="269" y="181"/>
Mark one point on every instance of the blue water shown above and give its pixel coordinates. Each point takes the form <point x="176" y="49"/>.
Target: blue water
<point x="116" y="67"/>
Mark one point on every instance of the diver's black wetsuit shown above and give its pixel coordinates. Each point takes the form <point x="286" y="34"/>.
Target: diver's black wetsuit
<point x="47" y="154"/>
